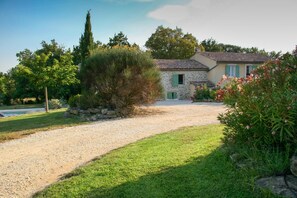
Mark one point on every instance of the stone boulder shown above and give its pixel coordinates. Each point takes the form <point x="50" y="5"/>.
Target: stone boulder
<point x="104" y="111"/>
<point x="277" y="185"/>
<point x="293" y="165"/>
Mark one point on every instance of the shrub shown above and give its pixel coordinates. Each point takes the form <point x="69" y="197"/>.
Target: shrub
<point x="262" y="109"/>
<point x="203" y="93"/>
<point x="120" y="78"/>
<point x="54" y="104"/>
<point x="74" y="101"/>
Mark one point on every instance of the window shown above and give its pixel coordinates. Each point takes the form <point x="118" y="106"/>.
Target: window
<point x="232" y="70"/>
<point x="171" y="95"/>
<point x="249" y="69"/>
<point x="180" y="79"/>
<point x="177" y="79"/>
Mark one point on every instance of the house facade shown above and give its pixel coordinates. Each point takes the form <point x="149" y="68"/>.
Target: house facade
<point x="178" y="75"/>
<point x="181" y="77"/>
<point x="230" y="64"/>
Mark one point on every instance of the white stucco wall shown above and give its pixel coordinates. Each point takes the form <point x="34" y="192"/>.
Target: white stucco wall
<point x="183" y="91"/>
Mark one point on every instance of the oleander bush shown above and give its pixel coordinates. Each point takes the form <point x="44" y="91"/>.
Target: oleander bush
<point x="262" y="109"/>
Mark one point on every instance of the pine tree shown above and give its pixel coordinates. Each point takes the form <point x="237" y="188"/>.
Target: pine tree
<point x="86" y="42"/>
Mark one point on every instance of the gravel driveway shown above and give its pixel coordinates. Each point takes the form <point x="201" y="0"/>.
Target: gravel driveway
<point x="28" y="165"/>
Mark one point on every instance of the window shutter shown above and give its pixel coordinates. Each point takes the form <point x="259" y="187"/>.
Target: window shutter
<point x="174" y="80"/>
<point x="169" y="95"/>
<point x="174" y="95"/>
<point x="227" y="70"/>
<point x="237" y="70"/>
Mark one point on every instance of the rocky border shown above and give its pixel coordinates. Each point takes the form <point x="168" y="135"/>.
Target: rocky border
<point x="92" y="114"/>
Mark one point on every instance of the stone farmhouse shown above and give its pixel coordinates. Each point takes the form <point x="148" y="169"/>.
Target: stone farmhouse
<point x="181" y="77"/>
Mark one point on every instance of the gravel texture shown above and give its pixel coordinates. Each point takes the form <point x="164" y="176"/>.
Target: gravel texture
<point x="30" y="164"/>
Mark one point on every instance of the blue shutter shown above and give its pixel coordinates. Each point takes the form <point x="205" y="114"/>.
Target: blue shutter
<point x="169" y="95"/>
<point x="174" y="80"/>
<point x="227" y="70"/>
<point x="174" y="95"/>
<point x="237" y="70"/>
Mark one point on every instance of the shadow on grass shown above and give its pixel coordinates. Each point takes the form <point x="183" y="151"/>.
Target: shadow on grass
<point x="30" y="123"/>
<point x="210" y="176"/>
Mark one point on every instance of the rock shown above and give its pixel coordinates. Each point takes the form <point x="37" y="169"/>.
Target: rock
<point x="104" y="111"/>
<point x="73" y="111"/>
<point x="84" y="112"/>
<point x="293" y="166"/>
<point x="278" y="186"/>
<point x="67" y="115"/>
<point x="1" y="116"/>
<point x="93" y="118"/>
<point x="235" y="157"/>
<point x="95" y="110"/>
<point x="110" y="112"/>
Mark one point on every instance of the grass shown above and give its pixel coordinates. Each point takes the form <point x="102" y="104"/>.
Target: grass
<point x="19" y="126"/>
<point x="27" y="106"/>
<point x="189" y="162"/>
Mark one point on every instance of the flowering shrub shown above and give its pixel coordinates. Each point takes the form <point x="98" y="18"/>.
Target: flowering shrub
<point x="262" y="109"/>
<point x="203" y="93"/>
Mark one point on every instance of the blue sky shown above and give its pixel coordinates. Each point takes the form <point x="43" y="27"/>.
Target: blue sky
<point x="269" y="24"/>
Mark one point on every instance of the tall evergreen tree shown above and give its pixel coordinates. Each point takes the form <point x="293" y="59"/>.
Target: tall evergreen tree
<point x="86" y="41"/>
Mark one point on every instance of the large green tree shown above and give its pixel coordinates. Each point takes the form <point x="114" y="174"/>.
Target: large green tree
<point x="7" y="88"/>
<point x="86" y="42"/>
<point x="50" y="67"/>
<point x="119" y="39"/>
<point x="167" y="43"/>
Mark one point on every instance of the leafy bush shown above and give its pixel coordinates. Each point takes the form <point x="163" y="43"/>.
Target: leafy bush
<point x="120" y="78"/>
<point x="74" y="101"/>
<point x="262" y="109"/>
<point x="203" y="93"/>
<point x="55" y="104"/>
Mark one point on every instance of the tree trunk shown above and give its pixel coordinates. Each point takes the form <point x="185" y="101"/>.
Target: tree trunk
<point x="46" y="100"/>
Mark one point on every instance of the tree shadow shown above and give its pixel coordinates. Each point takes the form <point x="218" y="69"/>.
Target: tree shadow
<point x="210" y="176"/>
<point x="35" y="122"/>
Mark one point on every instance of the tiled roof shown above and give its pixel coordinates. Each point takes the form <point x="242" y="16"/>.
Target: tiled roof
<point x="235" y="57"/>
<point x="178" y="64"/>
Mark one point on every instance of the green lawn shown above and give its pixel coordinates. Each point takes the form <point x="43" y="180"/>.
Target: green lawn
<point x="18" y="126"/>
<point x="189" y="162"/>
<point x="27" y="106"/>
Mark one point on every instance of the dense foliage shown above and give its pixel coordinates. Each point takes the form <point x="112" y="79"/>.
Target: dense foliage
<point x="51" y="66"/>
<point x="167" y="43"/>
<point x="262" y="109"/>
<point x="204" y="93"/>
<point x="86" y="43"/>
<point x="119" y="39"/>
<point x="211" y="45"/>
<point x="120" y="78"/>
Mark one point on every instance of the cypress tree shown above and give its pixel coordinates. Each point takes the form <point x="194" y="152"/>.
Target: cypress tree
<point x="86" y="42"/>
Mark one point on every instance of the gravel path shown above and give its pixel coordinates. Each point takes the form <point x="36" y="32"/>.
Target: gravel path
<point x="28" y="165"/>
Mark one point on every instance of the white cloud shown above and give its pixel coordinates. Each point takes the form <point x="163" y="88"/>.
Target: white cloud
<point x="268" y="24"/>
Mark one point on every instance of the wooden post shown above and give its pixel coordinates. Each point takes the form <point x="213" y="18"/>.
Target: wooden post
<point x="46" y="100"/>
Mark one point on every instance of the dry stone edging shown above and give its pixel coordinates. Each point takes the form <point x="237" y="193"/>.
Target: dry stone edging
<point x="92" y="114"/>
<point x="284" y="185"/>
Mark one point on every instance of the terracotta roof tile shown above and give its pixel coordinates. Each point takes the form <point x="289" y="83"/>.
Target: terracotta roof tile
<point x="235" y="57"/>
<point x="178" y="64"/>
